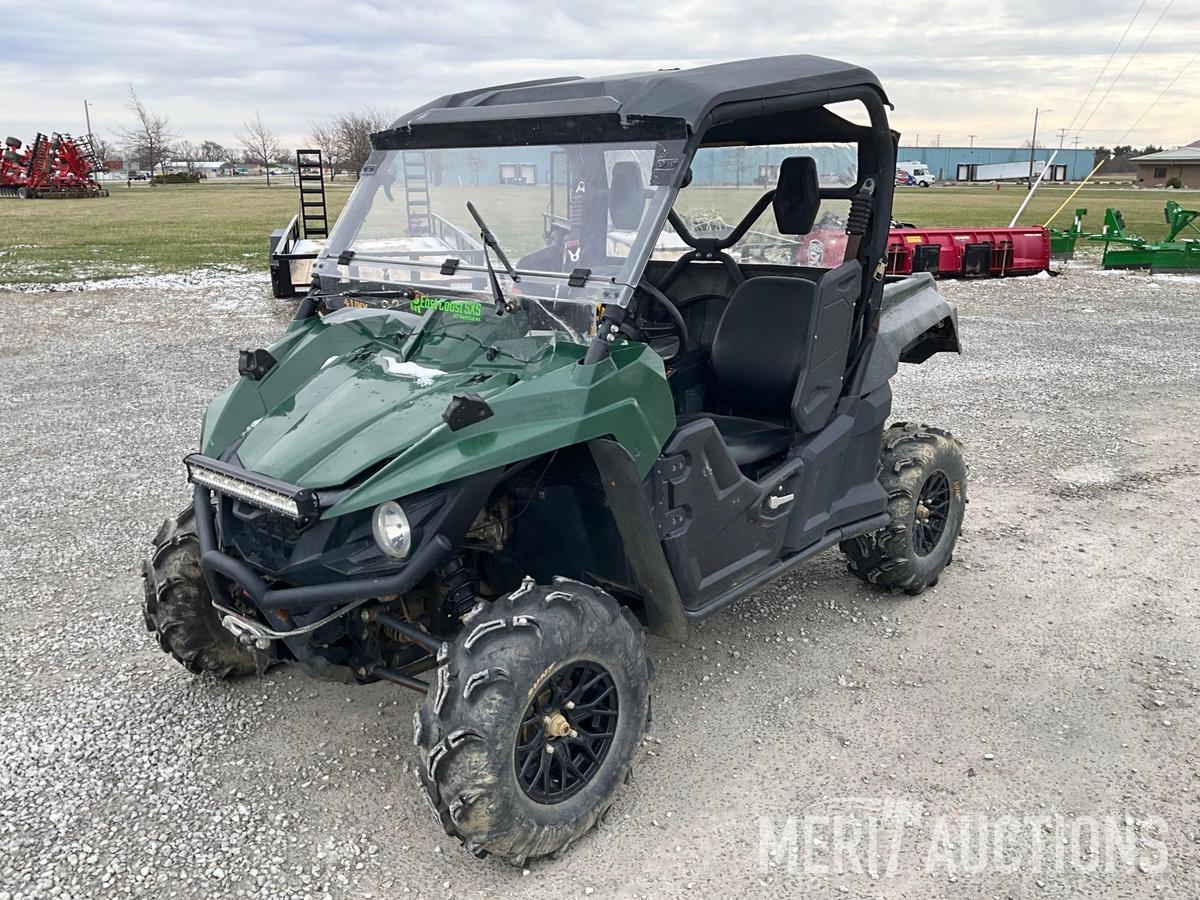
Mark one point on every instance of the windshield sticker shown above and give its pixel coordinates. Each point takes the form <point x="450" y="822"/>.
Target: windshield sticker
<point x="666" y="163"/>
<point x="466" y="310"/>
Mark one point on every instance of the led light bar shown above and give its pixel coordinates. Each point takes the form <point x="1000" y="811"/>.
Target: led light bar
<point x="257" y="490"/>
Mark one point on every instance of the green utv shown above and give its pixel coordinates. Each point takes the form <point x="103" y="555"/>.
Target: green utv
<point x="563" y="377"/>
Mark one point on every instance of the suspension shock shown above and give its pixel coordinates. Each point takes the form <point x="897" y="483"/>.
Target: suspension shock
<point x="459" y="585"/>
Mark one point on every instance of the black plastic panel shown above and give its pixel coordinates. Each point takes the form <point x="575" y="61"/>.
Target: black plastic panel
<point x="838" y="483"/>
<point x="708" y="516"/>
<point x="820" y="382"/>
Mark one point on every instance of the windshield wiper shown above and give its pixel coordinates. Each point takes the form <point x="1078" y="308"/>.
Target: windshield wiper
<point x="489" y="241"/>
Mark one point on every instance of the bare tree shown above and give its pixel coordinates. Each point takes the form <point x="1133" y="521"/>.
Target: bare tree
<point x="104" y="149"/>
<point x="260" y="144"/>
<point x="149" y="140"/>
<point x="741" y="163"/>
<point x="211" y="151"/>
<point x="354" y="136"/>
<point x="326" y="137"/>
<point x="444" y="163"/>
<point x="188" y="153"/>
<point x="475" y="163"/>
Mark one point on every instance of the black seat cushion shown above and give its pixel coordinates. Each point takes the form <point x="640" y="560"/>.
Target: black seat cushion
<point x="762" y="345"/>
<point x="758" y="354"/>
<point x="747" y="440"/>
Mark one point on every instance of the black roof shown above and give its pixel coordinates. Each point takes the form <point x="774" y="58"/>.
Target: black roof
<point x="682" y="95"/>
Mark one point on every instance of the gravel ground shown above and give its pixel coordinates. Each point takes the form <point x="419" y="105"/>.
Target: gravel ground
<point x="1052" y="674"/>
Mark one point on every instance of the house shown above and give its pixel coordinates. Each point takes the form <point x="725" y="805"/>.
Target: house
<point x="1174" y="168"/>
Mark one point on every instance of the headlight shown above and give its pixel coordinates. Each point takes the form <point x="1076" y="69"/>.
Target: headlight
<point x="392" y="532"/>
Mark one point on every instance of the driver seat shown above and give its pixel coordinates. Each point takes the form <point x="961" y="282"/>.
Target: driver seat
<point x="765" y="336"/>
<point x="759" y="354"/>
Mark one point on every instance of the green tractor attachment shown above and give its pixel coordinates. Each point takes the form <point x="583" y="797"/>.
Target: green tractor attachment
<point x="1062" y="241"/>
<point x="1172" y="254"/>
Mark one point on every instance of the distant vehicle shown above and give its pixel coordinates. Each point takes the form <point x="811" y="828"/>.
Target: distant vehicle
<point x="1010" y="171"/>
<point x="138" y="176"/>
<point x="918" y="173"/>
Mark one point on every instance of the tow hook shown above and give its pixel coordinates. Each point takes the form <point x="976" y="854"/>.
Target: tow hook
<point x="246" y="632"/>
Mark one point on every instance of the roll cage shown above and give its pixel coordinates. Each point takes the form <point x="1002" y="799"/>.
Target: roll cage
<point x="776" y="100"/>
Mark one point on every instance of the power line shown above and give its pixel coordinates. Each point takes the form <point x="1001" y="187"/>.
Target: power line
<point x="1171" y="84"/>
<point x="1111" y="56"/>
<point x="1127" y="64"/>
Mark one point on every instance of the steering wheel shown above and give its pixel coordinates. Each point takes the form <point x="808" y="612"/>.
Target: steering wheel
<point x="657" y="334"/>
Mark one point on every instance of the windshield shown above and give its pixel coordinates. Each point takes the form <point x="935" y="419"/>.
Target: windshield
<point x="443" y="336"/>
<point x="578" y="221"/>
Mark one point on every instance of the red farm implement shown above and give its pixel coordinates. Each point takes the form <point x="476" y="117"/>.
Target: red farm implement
<point x="968" y="252"/>
<point x="58" y="166"/>
<point x="944" y="252"/>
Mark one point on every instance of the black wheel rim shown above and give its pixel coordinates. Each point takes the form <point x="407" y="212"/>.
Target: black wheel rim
<point x="566" y="732"/>
<point x="932" y="513"/>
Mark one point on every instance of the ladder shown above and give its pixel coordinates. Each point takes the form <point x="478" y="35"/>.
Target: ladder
<point x="416" y="193"/>
<point x="310" y="172"/>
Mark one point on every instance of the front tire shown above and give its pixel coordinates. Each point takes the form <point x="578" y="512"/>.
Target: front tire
<point x="533" y="719"/>
<point x="925" y="476"/>
<point x="177" y="607"/>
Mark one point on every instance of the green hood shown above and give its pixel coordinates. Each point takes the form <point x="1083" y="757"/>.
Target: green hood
<point x="361" y="406"/>
<point x="342" y="399"/>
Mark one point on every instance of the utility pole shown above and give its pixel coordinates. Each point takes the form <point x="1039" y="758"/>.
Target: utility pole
<point x="87" y="118"/>
<point x="1062" y="136"/>
<point x="937" y="142"/>
<point x="971" y="138"/>
<point x="1033" y="145"/>
<point x="918" y="143"/>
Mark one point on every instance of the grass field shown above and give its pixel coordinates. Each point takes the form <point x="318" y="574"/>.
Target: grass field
<point x="178" y="227"/>
<point x="167" y="228"/>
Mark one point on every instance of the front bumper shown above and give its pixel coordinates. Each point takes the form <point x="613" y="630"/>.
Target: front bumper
<point x="213" y="562"/>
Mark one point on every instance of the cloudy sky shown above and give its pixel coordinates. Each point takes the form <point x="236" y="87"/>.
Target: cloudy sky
<point x="952" y="68"/>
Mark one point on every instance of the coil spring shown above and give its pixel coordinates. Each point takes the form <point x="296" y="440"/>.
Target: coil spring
<point x="860" y="213"/>
<point x="460" y="587"/>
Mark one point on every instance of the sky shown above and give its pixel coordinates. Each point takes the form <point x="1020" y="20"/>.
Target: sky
<point x="952" y="68"/>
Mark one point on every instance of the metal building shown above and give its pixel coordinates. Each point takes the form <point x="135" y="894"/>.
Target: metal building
<point x="945" y="161"/>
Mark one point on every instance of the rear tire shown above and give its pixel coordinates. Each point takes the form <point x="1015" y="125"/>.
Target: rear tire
<point x="925" y="476"/>
<point x="503" y="685"/>
<point x="178" y="608"/>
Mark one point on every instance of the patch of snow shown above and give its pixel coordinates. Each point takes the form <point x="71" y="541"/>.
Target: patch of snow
<point x="211" y="278"/>
<point x="423" y="375"/>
